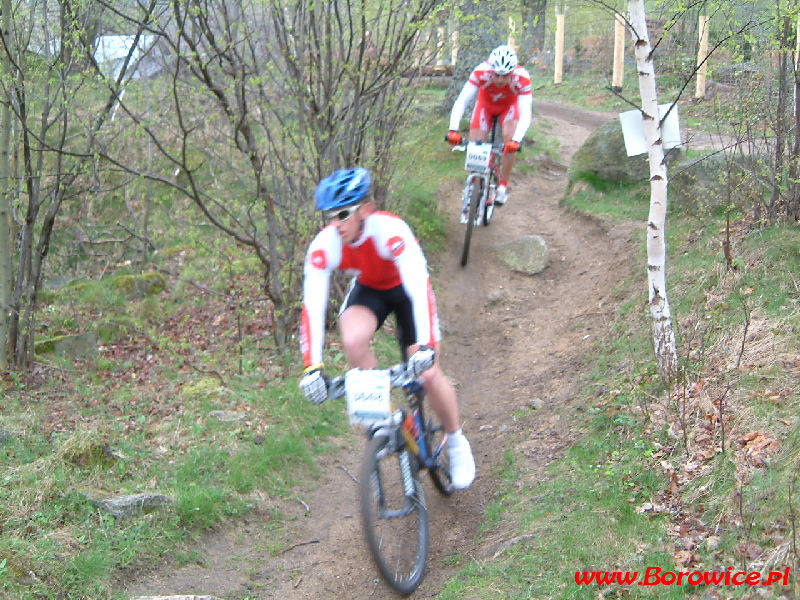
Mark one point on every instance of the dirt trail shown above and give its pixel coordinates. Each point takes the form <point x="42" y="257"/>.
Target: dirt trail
<point x="508" y="339"/>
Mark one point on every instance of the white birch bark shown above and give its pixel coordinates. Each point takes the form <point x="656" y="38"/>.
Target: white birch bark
<point x="663" y="334"/>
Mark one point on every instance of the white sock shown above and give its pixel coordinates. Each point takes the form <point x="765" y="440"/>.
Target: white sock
<point x="456" y="438"/>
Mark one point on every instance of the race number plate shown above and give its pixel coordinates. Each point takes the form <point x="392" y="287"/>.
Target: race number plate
<point x="368" y="395"/>
<point x="478" y="156"/>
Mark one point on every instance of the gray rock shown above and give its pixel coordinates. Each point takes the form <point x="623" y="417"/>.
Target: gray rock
<point x="132" y="505"/>
<point x="496" y="296"/>
<point x="527" y="255"/>
<point x="602" y="159"/>
<point x="81" y="345"/>
<point x="226" y="416"/>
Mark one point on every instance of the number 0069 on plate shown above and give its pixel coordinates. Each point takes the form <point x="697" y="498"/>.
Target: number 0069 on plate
<point x="368" y="395"/>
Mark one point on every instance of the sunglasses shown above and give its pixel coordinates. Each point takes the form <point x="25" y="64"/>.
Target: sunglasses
<point x="342" y="214"/>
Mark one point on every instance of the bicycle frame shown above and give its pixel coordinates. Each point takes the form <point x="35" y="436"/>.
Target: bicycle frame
<point x="414" y="430"/>
<point x="484" y="172"/>
<point x="394" y="427"/>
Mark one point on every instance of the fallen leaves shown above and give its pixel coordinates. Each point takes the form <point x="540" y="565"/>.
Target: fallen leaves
<point x="757" y="447"/>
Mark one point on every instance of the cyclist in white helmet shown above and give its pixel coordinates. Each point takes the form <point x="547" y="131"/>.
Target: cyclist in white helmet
<point x="503" y="88"/>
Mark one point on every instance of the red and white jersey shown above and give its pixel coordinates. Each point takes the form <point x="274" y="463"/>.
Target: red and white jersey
<point x="386" y="255"/>
<point x="495" y="99"/>
<point x="482" y="77"/>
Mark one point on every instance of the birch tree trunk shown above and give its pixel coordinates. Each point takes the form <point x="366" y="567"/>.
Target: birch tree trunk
<point x="663" y="334"/>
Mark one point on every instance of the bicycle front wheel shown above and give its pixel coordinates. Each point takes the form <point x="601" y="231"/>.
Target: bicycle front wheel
<point x="395" y="525"/>
<point x="489" y="212"/>
<point x="476" y="189"/>
<point x="440" y="463"/>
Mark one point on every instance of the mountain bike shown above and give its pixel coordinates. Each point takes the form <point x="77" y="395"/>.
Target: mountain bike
<point x="483" y="162"/>
<point x="401" y="442"/>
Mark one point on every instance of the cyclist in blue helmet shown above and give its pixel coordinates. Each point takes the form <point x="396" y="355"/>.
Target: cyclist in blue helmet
<point x="390" y="276"/>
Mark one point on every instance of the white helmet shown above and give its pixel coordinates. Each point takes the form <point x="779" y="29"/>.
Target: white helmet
<point x="503" y="59"/>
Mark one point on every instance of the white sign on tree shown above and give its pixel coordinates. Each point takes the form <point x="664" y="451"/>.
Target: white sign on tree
<point x="633" y="130"/>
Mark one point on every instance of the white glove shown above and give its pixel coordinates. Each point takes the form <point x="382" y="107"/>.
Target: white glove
<point x="421" y="361"/>
<point x="314" y="386"/>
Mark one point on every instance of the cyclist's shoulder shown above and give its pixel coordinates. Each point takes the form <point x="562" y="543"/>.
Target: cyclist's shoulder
<point x="385" y="222"/>
<point x="522" y="74"/>
<point x="481" y="74"/>
<point x="390" y="232"/>
<point x="326" y="243"/>
<point x="326" y="236"/>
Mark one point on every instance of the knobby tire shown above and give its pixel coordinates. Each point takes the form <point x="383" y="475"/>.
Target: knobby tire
<point x="474" y="202"/>
<point x="398" y="543"/>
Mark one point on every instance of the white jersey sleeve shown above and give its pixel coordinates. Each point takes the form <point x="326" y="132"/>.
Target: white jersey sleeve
<point x="323" y="256"/>
<point x="525" y="105"/>
<point x="467" y="95"/>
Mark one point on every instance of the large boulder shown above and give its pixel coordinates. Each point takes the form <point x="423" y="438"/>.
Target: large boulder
<point x="139" y="286"/>
<point x="603" y="160"/>
<point x="527" y="255"/>
<point x="81" y="345"/>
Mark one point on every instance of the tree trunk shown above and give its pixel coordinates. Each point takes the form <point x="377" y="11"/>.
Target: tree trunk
<point x="663" y="334"/>
<point x="794" y="172"/>
<point x="5" y="198"/>
<point x="482" y="30"/>
<point x="532" y="36"/>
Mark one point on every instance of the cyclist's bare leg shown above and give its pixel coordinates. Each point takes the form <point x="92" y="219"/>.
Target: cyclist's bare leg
<point x="508" y="159"/>
<point x="357" y="325"/>
<point x="441" y="393"/>
<point x="478" y="135"/>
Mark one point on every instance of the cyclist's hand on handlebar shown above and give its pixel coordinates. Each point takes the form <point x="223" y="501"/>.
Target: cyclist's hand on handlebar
<point x="314" y="385"/>
<point x="453" y="137"/>
<point x="510" y="147"/>
<point x="421" y="360"/>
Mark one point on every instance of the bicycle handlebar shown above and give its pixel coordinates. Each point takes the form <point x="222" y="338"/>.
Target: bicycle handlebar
<point x="463" y="146"/>
<point x="399" y="376"/>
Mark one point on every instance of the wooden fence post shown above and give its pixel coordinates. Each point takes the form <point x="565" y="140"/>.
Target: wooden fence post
<point x="440" y="33"/>
<point x="702" y="52"/>
<point x="797" y="64"/>
<point x="558" y="75"/>
<point x="619" y="53"/>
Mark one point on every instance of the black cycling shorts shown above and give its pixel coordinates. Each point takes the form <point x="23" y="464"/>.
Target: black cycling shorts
<point x="382" y="303"/>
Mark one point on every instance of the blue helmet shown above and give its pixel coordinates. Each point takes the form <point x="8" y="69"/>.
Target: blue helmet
<point x="342" y="188"/>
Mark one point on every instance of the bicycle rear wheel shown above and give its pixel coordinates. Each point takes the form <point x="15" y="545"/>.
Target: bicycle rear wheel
<point x="474" y="201"/>
<point x="395" y="525"/>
